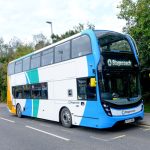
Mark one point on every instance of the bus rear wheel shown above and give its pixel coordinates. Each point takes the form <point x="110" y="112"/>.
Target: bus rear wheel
<point x="66" y="118"/>
<point x="18" y="111"/>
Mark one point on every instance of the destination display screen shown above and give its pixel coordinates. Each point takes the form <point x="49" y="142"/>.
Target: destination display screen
<point x="118" y="60"/>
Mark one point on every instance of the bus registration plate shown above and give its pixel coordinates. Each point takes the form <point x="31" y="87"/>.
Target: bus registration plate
<point x="129" y="120"/>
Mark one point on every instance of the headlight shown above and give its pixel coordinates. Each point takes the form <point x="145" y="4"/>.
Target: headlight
<point x="107" y="109"/>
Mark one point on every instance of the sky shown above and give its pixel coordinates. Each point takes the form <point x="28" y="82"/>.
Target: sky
<point x="25" y="18"/>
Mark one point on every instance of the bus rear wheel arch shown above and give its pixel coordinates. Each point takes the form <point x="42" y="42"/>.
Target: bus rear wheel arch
<point x="66" y="117"/>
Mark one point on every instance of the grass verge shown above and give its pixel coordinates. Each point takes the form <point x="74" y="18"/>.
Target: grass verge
<point x="147" y="107"/>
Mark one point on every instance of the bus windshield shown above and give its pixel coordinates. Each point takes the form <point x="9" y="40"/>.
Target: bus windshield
<point x="112" y="41"/>
<point x="118" y="85"/>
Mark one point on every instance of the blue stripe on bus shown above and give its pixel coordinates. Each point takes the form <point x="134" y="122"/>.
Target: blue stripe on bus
<point x="28" y="108"/>
<point x="95" y="46"/>
<point x="91" y="108"/>
<point x="28" y="105"/>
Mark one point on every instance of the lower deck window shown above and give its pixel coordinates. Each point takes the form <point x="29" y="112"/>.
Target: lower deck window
<point x="36" y="91"/>
<point x="31" y="91"/>
<point x="84" y="90"/>
<point x="26" y="91"/>
<point x="17" y="92"/>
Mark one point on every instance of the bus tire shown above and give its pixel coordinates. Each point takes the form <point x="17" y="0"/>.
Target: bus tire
<point x="18" y="111"/>
<point x="66" y="118"/>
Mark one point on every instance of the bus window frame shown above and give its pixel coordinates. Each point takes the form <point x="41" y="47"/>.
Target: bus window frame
<point x="71" y="58"/>
<point x="90" y="45"/>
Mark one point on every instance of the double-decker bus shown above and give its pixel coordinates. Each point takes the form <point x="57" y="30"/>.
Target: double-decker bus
<point x="90" y="79"/>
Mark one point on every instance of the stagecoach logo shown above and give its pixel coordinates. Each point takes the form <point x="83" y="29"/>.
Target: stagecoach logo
<point x="113" y="62"/>
<point x="126" y="112"/>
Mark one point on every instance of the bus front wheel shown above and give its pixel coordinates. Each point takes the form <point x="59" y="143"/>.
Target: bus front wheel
<point x="66" y="118"/>
<point x="18" y="111"/>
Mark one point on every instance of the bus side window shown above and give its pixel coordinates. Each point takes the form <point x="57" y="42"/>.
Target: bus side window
<point x="31" y="91"/>
<point x="44" y="91"/>
<point x="11" y="68"/>
<point x="18" y="92"/>
<point x="13" y="92"/>
<point x="47" y="57"/>
<point x="35" y="91"/>
<point x="35" y="60"/>
<point x="18" y="66"/>
<point x="39" y="91"/>
<point x="81" y="89"/>
<point x="26" y="63"/>
<point x="62" y="52"/>
<point x="81" y="46"/>
<point x="84" y="89"/>
<point x="26" y="92"/>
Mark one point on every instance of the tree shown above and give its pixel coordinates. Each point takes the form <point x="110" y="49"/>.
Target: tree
<point x="75" y="30"/>
<point x="13" y="50"/>
<point x="3" y="70"/>
<point x="137" y="16"/>
<point x="23" y="50"/>
<point x="3" y="48"/>
<point x="40" y="41"/>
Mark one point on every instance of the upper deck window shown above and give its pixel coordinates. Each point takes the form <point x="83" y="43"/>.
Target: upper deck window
<point x="81" y="46"/>
<point x="18" y="66"/>
<point x="113" y="42"/>
<point x="35" y="61"/>
<point x="62" y="52"/>
<point x="47" y="57"/>
<point x="26" y="63"/>
<point x="11" y="69"/>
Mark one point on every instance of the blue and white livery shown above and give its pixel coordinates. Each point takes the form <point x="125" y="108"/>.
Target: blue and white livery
<point x="90" y="79"/>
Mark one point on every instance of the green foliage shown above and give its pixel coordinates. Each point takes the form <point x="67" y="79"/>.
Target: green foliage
<point x="9" y="52"/>
<point x="75" y="30"/>
<point x="147" y="108"/>
<point x="137" y="16"/>
<point x="40" y="41"/>
<point x="22" y="50"/>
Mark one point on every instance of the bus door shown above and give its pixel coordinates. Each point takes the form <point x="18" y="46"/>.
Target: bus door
<point x="87" y="97"/>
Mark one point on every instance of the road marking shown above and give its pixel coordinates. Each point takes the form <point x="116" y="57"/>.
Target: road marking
<point x="66" y="131"/>
<point x="7" y="120"/>
<point x="54" y="135"/>
<point x="147" y="129"/>
<point x="118" y="137"/>
<point x="146" y="126"/>
<point x="101" y="139"/>
<point x="107" y="140"/>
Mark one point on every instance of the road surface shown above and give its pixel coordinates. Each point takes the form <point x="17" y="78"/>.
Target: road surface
<point x="36" y="134"/>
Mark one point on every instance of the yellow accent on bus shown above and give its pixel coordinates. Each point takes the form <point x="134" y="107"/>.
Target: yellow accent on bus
<point x="115" y="98"/>
<point x="93" y="82"/>
<point x="9" y="98"/>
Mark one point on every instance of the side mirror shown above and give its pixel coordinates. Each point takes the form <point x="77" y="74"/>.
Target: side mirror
<point x="93" y="82"/>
